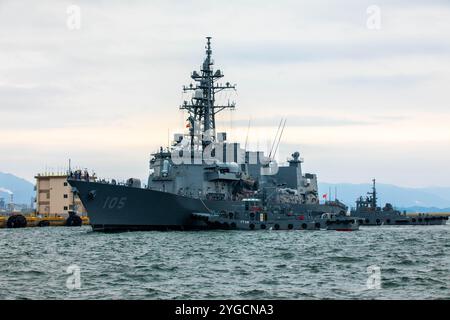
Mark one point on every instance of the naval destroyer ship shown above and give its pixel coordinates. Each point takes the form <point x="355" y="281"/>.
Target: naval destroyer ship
<point x="367" y="212"/>
<point x="203" y="173"/>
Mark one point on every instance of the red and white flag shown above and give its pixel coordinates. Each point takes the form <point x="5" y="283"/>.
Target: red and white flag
<point x="325" y="196"/>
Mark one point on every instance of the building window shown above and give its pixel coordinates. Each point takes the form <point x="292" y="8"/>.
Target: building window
<point x="65" y="196"/>
<point x="65" y="184"/>
<point x="48" y="195"/>
<point x="65" y="208"/>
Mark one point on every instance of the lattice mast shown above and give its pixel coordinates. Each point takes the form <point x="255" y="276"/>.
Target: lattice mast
<point x="202" y="108"/>
<point x="373" y="195"/>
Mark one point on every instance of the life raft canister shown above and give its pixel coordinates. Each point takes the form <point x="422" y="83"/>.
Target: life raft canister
<point x="255" y="209"/>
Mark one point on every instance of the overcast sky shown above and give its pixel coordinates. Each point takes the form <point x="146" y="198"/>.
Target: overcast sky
<point x="361" y="102"/>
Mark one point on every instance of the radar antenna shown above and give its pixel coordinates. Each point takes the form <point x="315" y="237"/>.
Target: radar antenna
<point x="373" y="194"/>
<point x="202" y="108"/>
<point x="277" y="143"/>
<point x="248" y="132"/>
<point x="275" y="139"/>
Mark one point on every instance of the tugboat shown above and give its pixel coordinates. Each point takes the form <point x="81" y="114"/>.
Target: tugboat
<point x="253" y="215"/>
<point x="369" y="214"/>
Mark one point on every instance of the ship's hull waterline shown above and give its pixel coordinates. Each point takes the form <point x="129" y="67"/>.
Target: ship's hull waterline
<point x="378" y="219"/>
<point x="119" y="208"/>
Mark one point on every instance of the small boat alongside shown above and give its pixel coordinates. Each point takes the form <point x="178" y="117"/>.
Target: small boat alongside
<point x="254" y="216"/>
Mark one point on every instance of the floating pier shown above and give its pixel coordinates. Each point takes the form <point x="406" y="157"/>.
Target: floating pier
<point x="25" y="221"/>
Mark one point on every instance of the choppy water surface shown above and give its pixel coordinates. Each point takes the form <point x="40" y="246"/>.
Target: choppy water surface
<point x="414" y="262"/>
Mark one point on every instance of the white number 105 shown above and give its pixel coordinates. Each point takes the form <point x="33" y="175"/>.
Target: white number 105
<point x="114" y="203"/>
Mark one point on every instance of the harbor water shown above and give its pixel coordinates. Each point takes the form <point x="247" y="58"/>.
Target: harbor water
<point x="39" y="263"/>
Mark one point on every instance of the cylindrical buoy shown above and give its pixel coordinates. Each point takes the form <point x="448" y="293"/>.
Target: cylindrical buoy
<point x="73" y="220"/>
<point x="16" y="221"/>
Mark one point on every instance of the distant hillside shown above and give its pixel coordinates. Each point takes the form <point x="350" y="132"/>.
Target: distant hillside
<point x="440" y="191"/>
<point x="23" y="190"/>
<point x="398" y="196"/>
<point x="433" y="199"/>
<point x="424" y="209"/>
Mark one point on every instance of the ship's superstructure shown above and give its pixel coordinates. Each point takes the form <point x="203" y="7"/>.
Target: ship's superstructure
<point x="203" y="164"/>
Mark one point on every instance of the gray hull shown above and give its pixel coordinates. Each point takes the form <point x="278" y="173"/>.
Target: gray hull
<point x="279" y="223"/>
<point x="377" y="219"/>
<point x="117" y="207"/>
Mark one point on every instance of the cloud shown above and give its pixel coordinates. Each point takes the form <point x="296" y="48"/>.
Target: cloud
<point x="6" y="191"/>
<point x="388" y="81"/>
<point x="113" y="87"/>
<point x="306" y="121"/>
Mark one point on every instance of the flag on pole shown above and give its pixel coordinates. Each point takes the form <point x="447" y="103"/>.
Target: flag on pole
<point x="325" y="196"/>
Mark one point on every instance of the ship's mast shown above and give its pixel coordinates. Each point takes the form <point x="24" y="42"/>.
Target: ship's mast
<point x="202" y="108"/>
<point x="374" y="195"/>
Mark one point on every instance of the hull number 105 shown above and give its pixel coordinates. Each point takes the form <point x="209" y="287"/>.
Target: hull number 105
<point x="114" y="203"/>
